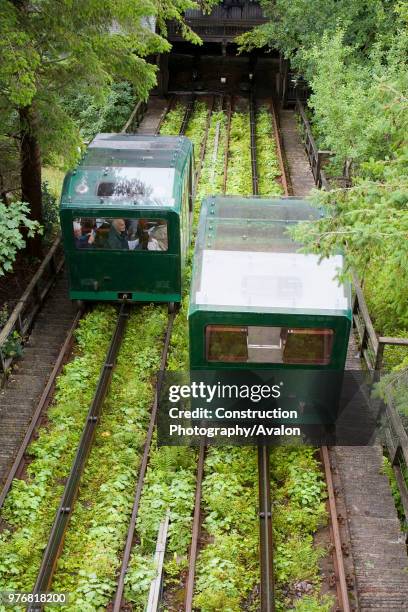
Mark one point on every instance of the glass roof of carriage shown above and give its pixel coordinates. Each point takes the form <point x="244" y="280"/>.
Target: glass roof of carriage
<point x="127" y="169"/>
<point x="245" y="260"/>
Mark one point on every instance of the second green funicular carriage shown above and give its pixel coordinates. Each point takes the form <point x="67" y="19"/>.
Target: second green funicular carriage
<point x="126" y="215"/>
<point x="256" y="301"/>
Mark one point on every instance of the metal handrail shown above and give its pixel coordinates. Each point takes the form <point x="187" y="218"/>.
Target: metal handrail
<point x="23" y="315"/>
<point x="372" y="345"/>
<point x="315" y="155"/>
<point x="135" y="118"/>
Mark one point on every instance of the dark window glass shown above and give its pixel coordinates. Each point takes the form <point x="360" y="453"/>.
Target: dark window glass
<point x="227" y="343"/>
<point x="308" y="346"/>
<point x="124" y="188"/>
<point x="120" y="234"/>
<point x="267" y="344"/>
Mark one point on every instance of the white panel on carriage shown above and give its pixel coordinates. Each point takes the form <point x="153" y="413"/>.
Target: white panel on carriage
<point x="240" y="279"/>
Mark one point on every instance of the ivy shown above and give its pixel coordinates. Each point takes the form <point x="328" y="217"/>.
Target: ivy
<point x="13" y="219"/>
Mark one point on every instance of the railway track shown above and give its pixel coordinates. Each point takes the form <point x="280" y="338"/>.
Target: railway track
<point x="66" y="507"/>
<point x="44" y="332"/>
<point x="338" y="544"/>
<point x="264" y="504"/>
<point x="267" y="587"/>
<point x="227" y="106"/>
<point x="266" y="547"/>
<point x="338" y="578"/>
<point x="118" y="601"/>
<point x="25" y="399"/>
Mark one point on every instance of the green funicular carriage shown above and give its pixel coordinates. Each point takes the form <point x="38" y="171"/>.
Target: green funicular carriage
<point x="126" y="214"/>
<point x="257" y="303"/>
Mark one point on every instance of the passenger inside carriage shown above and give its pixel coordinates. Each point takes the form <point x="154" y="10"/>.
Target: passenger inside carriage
<point x="159" y="234"/>
<point x="84" y="236"/>
<point x="118" y="238"/>
<point x="152" y="235"/>
<point x="120" y="234"/>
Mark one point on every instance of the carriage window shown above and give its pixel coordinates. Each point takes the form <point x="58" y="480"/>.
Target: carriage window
<point x="141" y="185"/>
<point x="265" y="344"/>
<point x="226" y="343"/>
<point x="124" y="189"/>
<point x="109" y="233"/>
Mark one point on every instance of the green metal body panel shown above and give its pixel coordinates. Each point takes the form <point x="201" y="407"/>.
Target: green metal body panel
<point x="199" y="320"/>
<point x="226" y="226"/>
<point x="145" y="276"/>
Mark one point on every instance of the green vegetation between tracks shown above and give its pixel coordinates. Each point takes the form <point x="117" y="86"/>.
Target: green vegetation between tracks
<point x="239" y="174"/>
<point x="269" y="171"/>
<point x="31" y="505"/>
<point x="173" y="121"/>
<point x="170" y="478"/>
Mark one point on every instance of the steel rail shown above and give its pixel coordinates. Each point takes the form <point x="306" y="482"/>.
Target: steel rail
<point x="164" y="114"/>
<point x="265" y="531"/>
<point x="252" y="127"/>
<point x="341" y="583"/>
<point x="188" y="601"/>
<point x="43" y="403"/>
<point x="64" y="512"/>
<point x="285" y="177"/>
<point x="265" y="504"/>
<point x="118" y="598"/>
<point x="187" y="114"/>
<point x="228" y="131"/>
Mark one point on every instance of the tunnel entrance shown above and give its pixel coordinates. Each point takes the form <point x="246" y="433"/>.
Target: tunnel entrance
<point x="217" y="65"/>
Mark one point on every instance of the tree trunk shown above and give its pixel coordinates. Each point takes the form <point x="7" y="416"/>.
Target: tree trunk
<point x="30" y="159"/>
